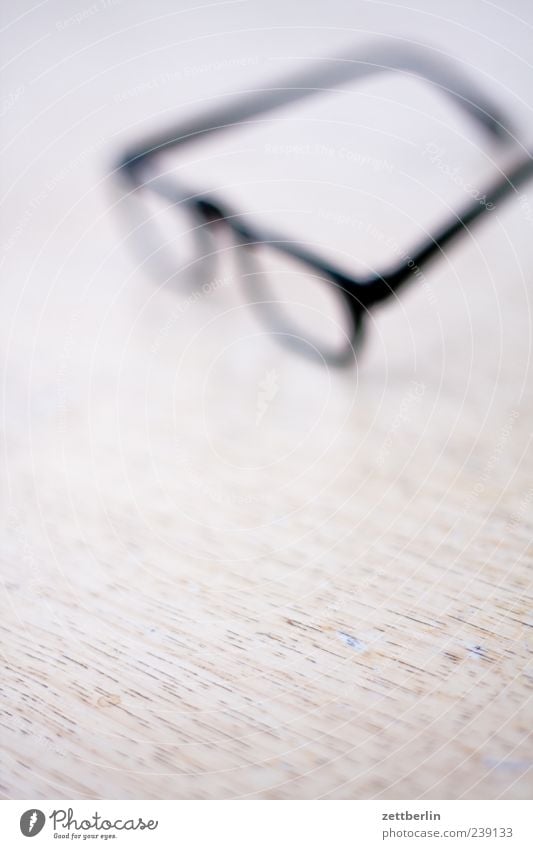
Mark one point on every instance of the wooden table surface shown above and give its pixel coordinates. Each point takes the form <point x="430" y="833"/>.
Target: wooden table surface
<point x="228" y="572"/>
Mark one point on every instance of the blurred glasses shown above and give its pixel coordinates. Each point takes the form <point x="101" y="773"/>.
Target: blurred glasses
<point x="308" y="304"/>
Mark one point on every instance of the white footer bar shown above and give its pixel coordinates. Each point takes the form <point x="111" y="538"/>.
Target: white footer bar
<point x="268" y="824"/>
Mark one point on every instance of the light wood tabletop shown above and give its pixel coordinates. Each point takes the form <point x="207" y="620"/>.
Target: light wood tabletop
<point x="229" y="572"/>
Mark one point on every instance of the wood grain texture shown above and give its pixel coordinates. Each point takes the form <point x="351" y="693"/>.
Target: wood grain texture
<point x="213" y="589"/>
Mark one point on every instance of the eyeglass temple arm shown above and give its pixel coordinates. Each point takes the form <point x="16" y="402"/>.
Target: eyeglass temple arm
<point x="380" y="287"/>
<point x="354" y="65"/>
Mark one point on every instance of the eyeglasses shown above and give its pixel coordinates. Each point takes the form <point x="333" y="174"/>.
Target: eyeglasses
<point x="331" y="305"/>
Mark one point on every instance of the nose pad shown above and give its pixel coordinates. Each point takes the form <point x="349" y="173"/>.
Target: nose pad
<point x="204" y="267"/>
<point x="359" y="325"/>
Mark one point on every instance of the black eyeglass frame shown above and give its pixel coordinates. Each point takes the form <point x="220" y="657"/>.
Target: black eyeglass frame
<point x="359" y="293"/>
